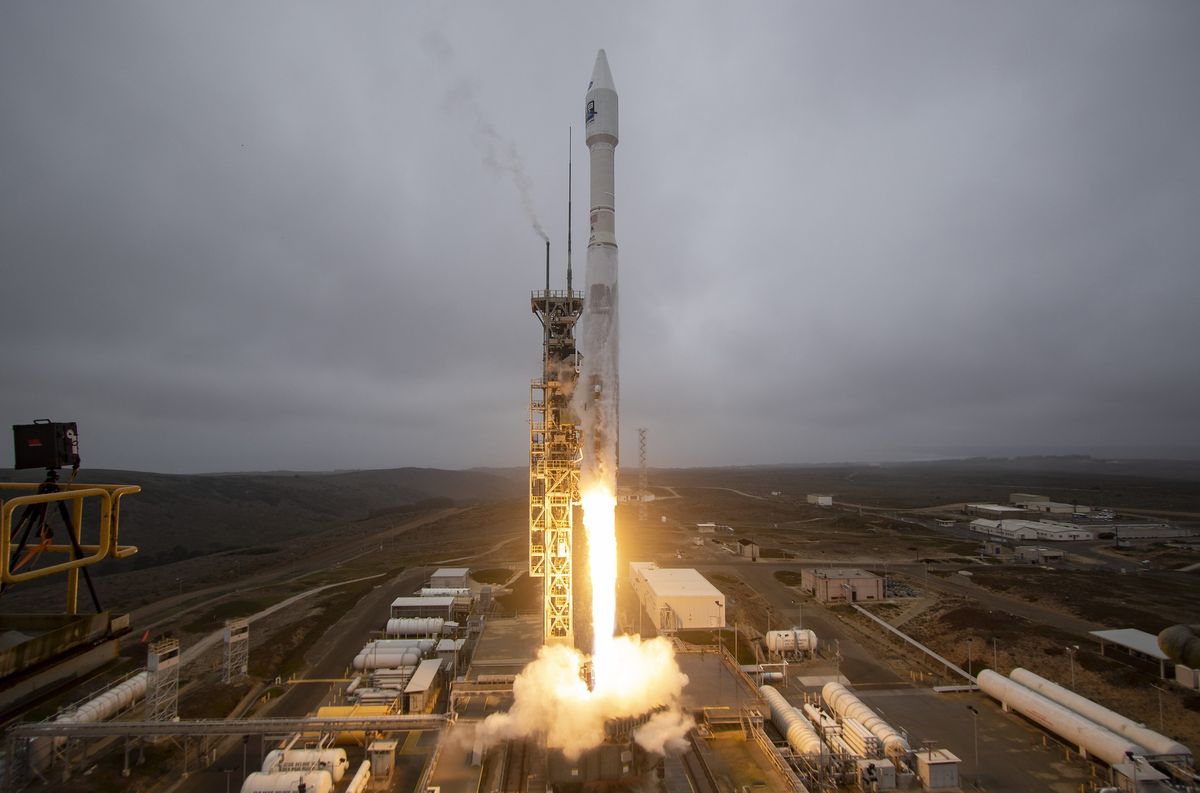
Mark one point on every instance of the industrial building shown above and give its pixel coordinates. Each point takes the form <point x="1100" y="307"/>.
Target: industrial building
<point x="442" y="607"/>
<point x="1031" y="554"/>
<point x="993" y="511"/>
<point x="820" y="500"/>
<point x="1055" y="508"/>
<point x="450" y="578"/>
<point x="677" y="598"/>
<point x="834" y="584"/>
<point x="1044" y="530"/>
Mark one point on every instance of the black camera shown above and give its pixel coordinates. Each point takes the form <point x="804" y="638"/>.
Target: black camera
<point x="46" y="444"/>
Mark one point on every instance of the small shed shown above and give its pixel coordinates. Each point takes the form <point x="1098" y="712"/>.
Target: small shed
<point x="422" y="689"/>
<point x="748" y="548"/>
<point x="938" y="769"/>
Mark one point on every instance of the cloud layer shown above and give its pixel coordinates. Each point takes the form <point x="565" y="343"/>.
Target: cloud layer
<point x="268" y="236"/>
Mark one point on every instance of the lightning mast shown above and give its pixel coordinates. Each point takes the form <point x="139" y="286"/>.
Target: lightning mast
<point x="555" y="451"/>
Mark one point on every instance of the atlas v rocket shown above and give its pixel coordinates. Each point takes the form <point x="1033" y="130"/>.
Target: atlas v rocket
<point x="599" y="401"/>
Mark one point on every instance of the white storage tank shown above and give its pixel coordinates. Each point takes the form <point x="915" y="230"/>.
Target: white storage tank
<point x="847" y="706"/>
<point x="1090" y="737"/>
<point x="796" y="640"/>
<point x="386" y="659"/>
<point x="792" y="725"/>
<point x="1157" y="743"/>
<point x="313" y="782"/>
<point x="415" y="626"/>
<point x="299" y="760"/>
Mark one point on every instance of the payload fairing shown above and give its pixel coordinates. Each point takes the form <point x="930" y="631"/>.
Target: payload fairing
<point x="599" y="402"/>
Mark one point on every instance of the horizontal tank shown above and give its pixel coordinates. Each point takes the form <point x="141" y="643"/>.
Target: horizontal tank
<point x="1090" y="737"/>
<point x="1181" y="643"/>
<point x="415" y="626"/>
<point x="313" y="782"/>
<point x="103" y="706"/>
<point x="795" y="640"/>
<point x="361" y="778"/>
<point x="792" y="725"/>
<point x="1156" y="743"/>
<point x="445" y="592"/>
<point x="386" y="659"/>
<point x="284" y="760"/>
<point x="847" y="706"/>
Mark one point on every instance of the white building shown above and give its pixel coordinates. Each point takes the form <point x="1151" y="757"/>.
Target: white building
<point x="994" y="511"/>
<point x="450" y="578"/>
<point x="1045" y="530"/>
<point x="1005" y="529"/>
<point x="1056" y="508"/>
<point x="820" y="500"/>
<point x="677" y="598"/>
<point x="423" y="607"/>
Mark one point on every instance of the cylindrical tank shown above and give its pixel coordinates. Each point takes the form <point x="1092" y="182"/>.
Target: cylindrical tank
<point x="299" y="760"/>
<point x="348" y="737"/>
<point x="361" y="778"/>
<point x="313" y="781"/>
<point x="384" y="653"/>
<point x="424" y="645"/>
<point x="1181" y="643"/>
<point x="796" y="640"/>
<point x="99" y="708"/>
<point x="1087" y="735"/>
<point x="415" y="626"/>
<point x="847" y="706"/>
<point x="445" y="592"/>
<point x="112" y="701"/>
<point x="1156" y="743"/>
<point x="791" y="724"/>
<point x="386" y="659"/>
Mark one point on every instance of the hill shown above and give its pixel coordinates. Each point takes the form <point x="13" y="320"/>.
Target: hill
<point x="178" y="516"/>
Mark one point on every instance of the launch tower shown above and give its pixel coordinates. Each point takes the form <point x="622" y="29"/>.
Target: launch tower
<point x="554" y="457"/>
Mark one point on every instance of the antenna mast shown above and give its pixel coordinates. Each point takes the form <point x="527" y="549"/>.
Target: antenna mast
<point x="570" y="163"/>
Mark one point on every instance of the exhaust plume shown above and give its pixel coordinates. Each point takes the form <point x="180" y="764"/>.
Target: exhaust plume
<point x="499" y="154"/>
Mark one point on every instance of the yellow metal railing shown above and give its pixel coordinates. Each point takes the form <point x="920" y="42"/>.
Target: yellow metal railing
<point x="107" y="545"/>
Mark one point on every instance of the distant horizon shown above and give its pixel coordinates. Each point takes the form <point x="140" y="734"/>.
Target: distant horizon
<point x="995" y="457"/>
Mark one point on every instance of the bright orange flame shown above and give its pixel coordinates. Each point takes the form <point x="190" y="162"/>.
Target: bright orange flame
<point x="599" y="518"/>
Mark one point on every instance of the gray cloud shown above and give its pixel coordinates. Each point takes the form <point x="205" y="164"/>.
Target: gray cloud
<point x="264" y="236"/>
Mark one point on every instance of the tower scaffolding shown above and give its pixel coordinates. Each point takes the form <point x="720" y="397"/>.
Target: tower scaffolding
<point x="555" y="454"/>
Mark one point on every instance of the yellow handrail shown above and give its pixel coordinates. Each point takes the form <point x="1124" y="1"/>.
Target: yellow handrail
<point x="107" y="546"/>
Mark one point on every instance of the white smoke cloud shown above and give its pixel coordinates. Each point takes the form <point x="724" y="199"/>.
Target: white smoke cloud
<point x="553" y="704"/>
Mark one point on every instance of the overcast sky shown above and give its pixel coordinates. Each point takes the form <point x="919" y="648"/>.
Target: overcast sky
<point x="241" y="236"/>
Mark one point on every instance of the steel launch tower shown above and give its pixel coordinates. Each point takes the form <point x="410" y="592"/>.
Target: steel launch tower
<point x="555" y="444"/>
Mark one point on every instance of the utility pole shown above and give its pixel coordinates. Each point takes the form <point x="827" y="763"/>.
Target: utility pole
<point x="975" y="729"/>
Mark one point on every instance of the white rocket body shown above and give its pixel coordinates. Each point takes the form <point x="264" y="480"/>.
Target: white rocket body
<point x="597" y="400"/>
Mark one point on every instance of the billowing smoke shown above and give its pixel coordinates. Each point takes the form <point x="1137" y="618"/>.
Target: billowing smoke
<point x="554" y="705"/>
<point x="499" y="153"/>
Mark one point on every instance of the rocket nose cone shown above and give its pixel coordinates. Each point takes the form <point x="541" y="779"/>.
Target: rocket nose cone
<point x="601" y="76"/>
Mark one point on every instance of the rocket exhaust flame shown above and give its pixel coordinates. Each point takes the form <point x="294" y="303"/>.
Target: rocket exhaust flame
<point x="599" y="512"/>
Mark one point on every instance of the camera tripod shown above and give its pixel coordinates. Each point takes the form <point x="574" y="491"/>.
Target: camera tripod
<point x="38" y="515"/>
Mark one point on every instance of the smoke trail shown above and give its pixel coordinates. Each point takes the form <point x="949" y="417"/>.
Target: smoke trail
<point x="499" y="154"/>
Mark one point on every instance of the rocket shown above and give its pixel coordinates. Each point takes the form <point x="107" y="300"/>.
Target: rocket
<point x="599" y="408"/>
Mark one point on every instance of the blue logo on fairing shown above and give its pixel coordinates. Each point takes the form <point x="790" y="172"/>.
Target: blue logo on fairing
<point x="591" y="111"/>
